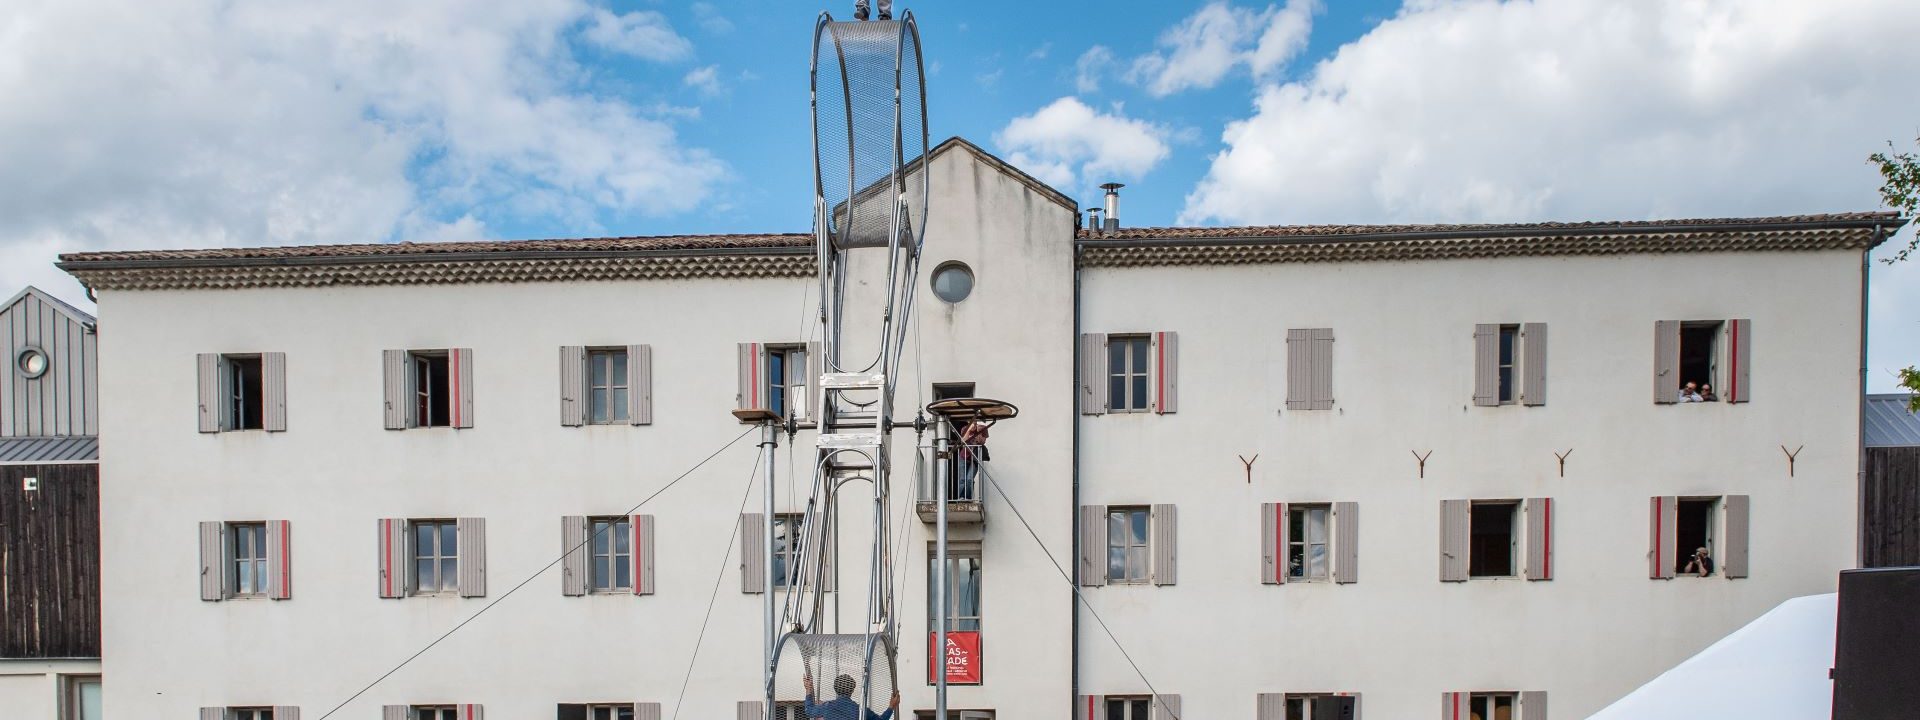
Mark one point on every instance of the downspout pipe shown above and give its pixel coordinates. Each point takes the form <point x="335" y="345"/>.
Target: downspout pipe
<point x="1859" y="417"/>
<point x="1073" y="606"/>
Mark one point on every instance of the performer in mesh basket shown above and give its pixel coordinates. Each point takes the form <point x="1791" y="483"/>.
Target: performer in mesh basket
<point x="843" y="707"/>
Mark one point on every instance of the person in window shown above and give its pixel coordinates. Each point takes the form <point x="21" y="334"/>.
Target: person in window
<point x="1706" y="394"/>
<point x="1700" y="564"/>
<point x="843" y="707"/>
<point x="1690" y="393"/>
<point x="860" y="9"/>
<point x="973" y="451"/>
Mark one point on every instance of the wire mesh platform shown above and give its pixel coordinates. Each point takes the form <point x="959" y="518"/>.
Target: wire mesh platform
<point x="837" y="666"/>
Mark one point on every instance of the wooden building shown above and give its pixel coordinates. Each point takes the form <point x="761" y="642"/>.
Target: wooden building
<point x="1890" y="486"/>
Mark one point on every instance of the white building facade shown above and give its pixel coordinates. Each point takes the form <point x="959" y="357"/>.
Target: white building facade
<point x="323" y="459"/>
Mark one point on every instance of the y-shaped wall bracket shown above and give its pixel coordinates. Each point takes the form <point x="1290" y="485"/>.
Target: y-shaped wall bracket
<point x="1423" y="461"/>
<point x="1563" y="461"/>
<point x="1249" y="464"/>
<point x="1791" y="456"/>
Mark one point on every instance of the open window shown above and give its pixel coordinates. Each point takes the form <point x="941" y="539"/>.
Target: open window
<point x="1700" y="356"/>
<point x="1308" y="533"/>
<point x="1703" y="361"/>
<point x="242" y="391"/>
<point x="1694" y="537"/>
<point x="245" y="392"/>
<point x="1492" y="533"/>
<point x="432" y="392"/>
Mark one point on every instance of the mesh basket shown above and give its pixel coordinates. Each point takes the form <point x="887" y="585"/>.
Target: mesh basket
<point x="835" y="663"/>
<point x="861" y="147"/>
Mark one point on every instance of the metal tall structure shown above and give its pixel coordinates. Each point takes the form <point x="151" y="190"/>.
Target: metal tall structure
<point x="870" y="210"/>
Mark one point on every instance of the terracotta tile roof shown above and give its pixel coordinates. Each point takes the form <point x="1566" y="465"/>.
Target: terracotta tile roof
<point x="389" y="251"/>
<point x="1892" y="219"/>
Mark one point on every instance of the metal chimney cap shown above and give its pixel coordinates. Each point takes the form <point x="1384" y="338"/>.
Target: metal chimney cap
<point x="1111" y="187"/>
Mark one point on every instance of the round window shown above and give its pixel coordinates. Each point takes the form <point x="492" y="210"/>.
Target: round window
<point x="953" y="281"/>
<point x="32" y="363"/>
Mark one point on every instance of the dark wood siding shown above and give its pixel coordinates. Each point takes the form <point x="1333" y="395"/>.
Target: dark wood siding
<point x="1890" y="525"/>
<point x="50" y="562"/>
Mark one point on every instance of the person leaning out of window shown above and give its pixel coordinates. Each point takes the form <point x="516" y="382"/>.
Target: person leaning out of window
<point x="1700" y="564"/>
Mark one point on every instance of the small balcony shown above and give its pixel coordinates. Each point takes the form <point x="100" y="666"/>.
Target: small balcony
<point x="963" y="471"/>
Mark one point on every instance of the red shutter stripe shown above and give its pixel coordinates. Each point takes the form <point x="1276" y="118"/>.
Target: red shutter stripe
<point x="1279" y="543"/>
<point x="639" y="552"/>
<point x="386" y="558"/>
<point x="286" y="559"/>
<point x="1548" y="540"/>
<point x="1159" y="372"/>
<point x="1733" y="352"/>
<point x="1658" y="532"/>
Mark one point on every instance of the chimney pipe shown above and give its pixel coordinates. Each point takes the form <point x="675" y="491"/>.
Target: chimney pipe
<point x="1113" y="205"/>
<point x="1093" y="220"/>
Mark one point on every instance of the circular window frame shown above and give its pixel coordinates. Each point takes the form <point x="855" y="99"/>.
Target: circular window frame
<point x="20" y="362"/>
<point x="933" y="281"/>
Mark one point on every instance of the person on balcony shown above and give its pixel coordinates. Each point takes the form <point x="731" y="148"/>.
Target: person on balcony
<point x="973" y="451"/>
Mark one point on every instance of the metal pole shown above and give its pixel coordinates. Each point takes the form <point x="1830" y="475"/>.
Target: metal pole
<point x="769" y="439"/>
<point x="940" y="574"/>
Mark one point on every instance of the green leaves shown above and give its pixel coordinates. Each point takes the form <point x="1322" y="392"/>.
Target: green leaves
<point x="1901" y="191"/>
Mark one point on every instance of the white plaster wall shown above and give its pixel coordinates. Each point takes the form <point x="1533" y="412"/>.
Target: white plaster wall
<point x="31" y="689"/>
<point x="1403" y="373"/>
<point x="336" y="471"/>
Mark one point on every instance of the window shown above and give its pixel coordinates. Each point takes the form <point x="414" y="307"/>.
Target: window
<point x="1509" y="361"/>
<point x="431" y="392"/>
<point x="787" y="381"/>
<point x="956" y="715"/>
<point x="787" y="544"/>
<point x="1491" y="538"/>
<point x="1127" y="373"/>
<point x="1492" y="706"/>
<point x="1300" y="705"/>
<point x="31" y="363"/>
<point x="1692" y="533"/>
<point x="244" y="393"/>
<point x="609" y="712"/>
<point x="963" y="587"/>
<point x="607" y="386"/>
<point x="1699" y="357"/>
<point x="612" y="554"/>
<point x="249" y="559"/>
<point x="952" y="281"/>
<point x="435" y="712"/>
<point x="249" y="713"/>
<point x="83" y="698"/>
<point x="1127" y="545"/>
<point x="436" y="560"/>
<point x="1307" y="557"/>
<point x="1129" y="708"/>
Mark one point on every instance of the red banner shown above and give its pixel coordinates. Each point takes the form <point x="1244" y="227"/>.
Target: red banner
<point x="962" y="657"/>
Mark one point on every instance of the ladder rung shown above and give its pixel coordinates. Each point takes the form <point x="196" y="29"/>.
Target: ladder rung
<point x="848" y="440"/>
<point x="853" y="381"/>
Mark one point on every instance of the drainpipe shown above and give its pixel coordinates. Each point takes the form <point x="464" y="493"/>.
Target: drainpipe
<point x="1859" y="418"/>
<point x="1073" y="604"/>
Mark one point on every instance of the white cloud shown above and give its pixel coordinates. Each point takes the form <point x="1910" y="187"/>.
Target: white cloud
<point x="1087" y="70"/>
<point x="345" y="121"/>
<point x="1464" y="111"/>
<point x="1068" y="142"/>
<point x="1203" y="48"/>
<point x="1040" y="53"/>
<point x="706" y="80"/>
<point x="643" y="34"/>
<point x="711" y="19"/>
<point x="989" y="79"/>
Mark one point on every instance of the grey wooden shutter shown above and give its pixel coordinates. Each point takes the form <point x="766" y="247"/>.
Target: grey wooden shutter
<point x="1166" y="707"/>
<point x="471" y="711"/>
<point x="472" y="553"/>
<point x="279" y="560"/>
<point x="1739" y="361"/>
<point x="460" y="369"/>
<point x="1322" y="369"/>
<point x="1666" y="361"/>
<point x="1270" y="706"/>
<point x="1486" y="365"/>
<point x="393" y="558"/>
<point x="286" y="712"/>
<point x="1093" y="373"/>
<point x="642" y="558"/>
<point x="573" y="385"/>
<point x="393" y="365"/>
<point x="1454" y="523"/>
<point x="571" y="711"/>
<point x="753" y="556"/>
<point x="816" y="364"/>
<point x="646" y="711"/>
<point x="394" y="712"/>
<point x="1533" y="364"/>
<point x="1346" y="542"/>
<point x="751" y="377"/>
<point x="213" y="561"/>
<point x="1273" y="539"/>
<point x="211" y="713"/>
<point x="1664" y="513"/>
<point x="1088" y="707"/>
<point x="1299" y="369"/>
<point x="1539" y="513"/>
<point x="1093" y="545"/>
<point x="1533" y="705"/>
<point x="1165" y="540"/>
<point x="640" y="384"/>
<point x="573" y="567"/>
<point x="1166" y="372"/>
<point x="207" y="369"/>
<point x="1733" y="552"/>
<point x="273" y="391"/>
<point x="748" y="710"/>
<point x="1453" y="706"/>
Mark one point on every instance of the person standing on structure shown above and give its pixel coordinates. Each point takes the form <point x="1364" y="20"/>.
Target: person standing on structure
<point x="860" y="9"/>
<point x="843" y="707"/>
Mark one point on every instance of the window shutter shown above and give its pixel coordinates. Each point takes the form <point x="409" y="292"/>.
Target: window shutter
<point x="1733" y="553"/>
<point x="1270" y="706"/>
<point x="573" y="542"/>
<point x="573" y="385"/>
<point x="748" y="710"/>
<point x="1739" y="360"/>
<point x="1166" y="707"/>
<point x="1273" y="539"/>
<point x="273" y="391"/>
<point x="1539" y="538"/>
<point x="646" y="711"/>
<point x="213" y="713"/>
<point x="460" y="379"/>
<point x="751" y="376"/>
<point x="286" y="712"/>
<point x="213" y="561"/>
<point x="394" y="712"/>
<point x="753" y="556"/>
<point x="1346" y="542"/>
<point x="1299" y="369"/>
<point x="1093" y="373"/>
<point x="1453" y="540"/>
<point x="279" y="559"/>
<point x="1486" y="365"/>
<point x="1664" y="515"/>
<point x="1666" y="361"/>
<point x="642" y="558"/>
<point x="393" y="557"/>
<point x="208" y="371"/>
<point x="1453" y="706"/>
<point x="471" y="712"/>
<point x="1165" y="540"/>
<point x="640" y="384"/>
<point x="1533" y="705"/>
<point x="1533" y="363"/>
<point x="1093" y="545"/>
<point x="1322" y="369"/>
<point x="572" y="711"/>
<point x="1088" y="706"/>
<point x="1166" y="370"/>
<point x="816" y="364"/>
<point x="393" y="365"/>
<point x="471" y="550"/>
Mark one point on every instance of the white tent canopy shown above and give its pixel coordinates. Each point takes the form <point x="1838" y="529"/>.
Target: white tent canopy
<point x="1775" y="668"/>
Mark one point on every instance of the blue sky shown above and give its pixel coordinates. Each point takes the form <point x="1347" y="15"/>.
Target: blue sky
<point x="199" y="123"/>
